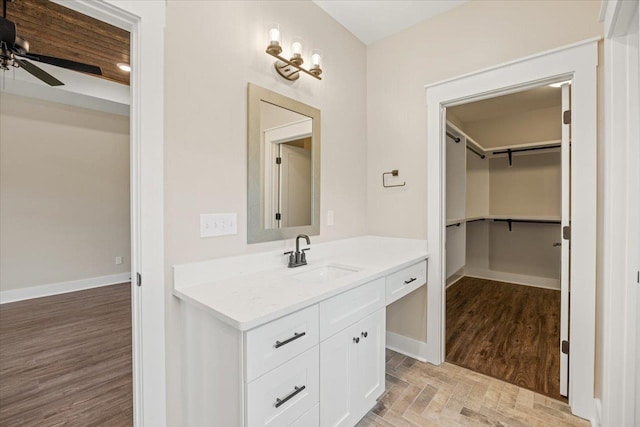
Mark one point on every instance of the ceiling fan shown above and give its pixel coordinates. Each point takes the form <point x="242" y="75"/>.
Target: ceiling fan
<point x="14" y="52"/>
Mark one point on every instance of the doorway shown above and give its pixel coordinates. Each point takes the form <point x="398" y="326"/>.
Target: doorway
<point x="66" y="333"/>
<point x="147" y="251"/>
<point x="577" y="63"/>
<point x="506" y="260"/>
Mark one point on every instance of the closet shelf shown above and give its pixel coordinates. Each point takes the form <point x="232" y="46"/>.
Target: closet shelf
<point x="455" y="221"/>
<point x="514" y="218"/>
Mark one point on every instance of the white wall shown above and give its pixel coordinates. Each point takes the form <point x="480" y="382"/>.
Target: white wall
<point x="64" y="193"/>
<point x="531" y="186"/>
<point x="517" y="128"/>
<point x="476" y="35"/>
<point x="213" y="49"/>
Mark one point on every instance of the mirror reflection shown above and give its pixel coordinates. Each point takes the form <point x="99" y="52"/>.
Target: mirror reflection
<point x="287" y="139"/>
<point x="283" y="167"/>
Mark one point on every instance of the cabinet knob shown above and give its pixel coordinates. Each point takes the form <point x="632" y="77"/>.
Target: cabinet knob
<point x="356" y="340"/>
<point x="365" y="334"/>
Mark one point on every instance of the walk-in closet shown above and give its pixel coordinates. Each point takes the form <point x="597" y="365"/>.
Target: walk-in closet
<point x="504" y="210"/>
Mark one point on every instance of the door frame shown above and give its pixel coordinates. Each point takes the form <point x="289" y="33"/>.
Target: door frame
<point x="577" y="62"/>
<point x="145" y="21"/>
<point x="621" y="212"/>
<point x="273" y="137"/>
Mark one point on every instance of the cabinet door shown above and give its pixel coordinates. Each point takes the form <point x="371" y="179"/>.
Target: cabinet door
<point x="338" y="376"/>
<point x="370" y="362"/>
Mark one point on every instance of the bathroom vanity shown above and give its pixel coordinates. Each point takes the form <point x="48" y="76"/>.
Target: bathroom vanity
<point x="267" y="345"/>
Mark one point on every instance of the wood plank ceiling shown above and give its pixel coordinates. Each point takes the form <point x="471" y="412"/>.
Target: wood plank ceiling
<point x="55" y="30"/>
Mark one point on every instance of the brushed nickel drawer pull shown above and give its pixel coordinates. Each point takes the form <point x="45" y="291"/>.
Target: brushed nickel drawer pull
<point x="280" y="402"/>
<point x="413" y="279"/>
<point x="288" y="340"/>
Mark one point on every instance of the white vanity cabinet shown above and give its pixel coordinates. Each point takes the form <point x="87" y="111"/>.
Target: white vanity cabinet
<point x="352" y="371"/>
<point x="268" y="349"/>
<point x="344" y="374"/>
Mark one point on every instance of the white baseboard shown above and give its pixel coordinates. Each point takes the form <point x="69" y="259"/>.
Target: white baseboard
<point x="597" y="413"/>
<point x="453" y="280"/>
<point x="62" y="287"/>
<point x="518" y="279"/>
<point x="407" y="346"/>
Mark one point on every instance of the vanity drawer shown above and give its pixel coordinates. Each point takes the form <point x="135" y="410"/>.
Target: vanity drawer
<point x="271" y="345"/>
<point x="310" y="419"/>
<point x="406" y="281"/>
<point x="282" y="396"/>
<point x="345" y="309"/>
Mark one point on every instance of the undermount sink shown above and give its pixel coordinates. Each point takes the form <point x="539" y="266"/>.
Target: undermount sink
<point x="325" y="273"/>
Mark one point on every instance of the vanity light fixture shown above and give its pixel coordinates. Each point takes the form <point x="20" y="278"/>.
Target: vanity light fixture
<point x="290" y="68"/>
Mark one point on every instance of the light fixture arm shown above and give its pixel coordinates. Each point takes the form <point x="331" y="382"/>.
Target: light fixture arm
<point x="282" y="66"/>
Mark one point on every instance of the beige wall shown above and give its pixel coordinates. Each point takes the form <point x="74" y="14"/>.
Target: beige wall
<point x="206" y="122"/>
<point x="64" y="193"/>
<point x="531" y="186"/>
<point x="476" y="35"/>
<point x="527" y="249"/>
<point x="533" y="126"/>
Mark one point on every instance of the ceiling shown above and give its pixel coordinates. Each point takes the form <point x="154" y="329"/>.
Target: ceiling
<point x="54" y="30"/>
<point x="373" y="20"/>
<point x="515" y="103"/>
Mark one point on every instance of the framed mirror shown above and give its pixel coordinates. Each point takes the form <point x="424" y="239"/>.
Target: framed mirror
<point x="283" y="167"/>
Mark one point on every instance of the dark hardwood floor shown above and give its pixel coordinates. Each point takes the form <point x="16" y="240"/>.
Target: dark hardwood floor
<point x="66" y="359"/>
<point x="510" y="332"/>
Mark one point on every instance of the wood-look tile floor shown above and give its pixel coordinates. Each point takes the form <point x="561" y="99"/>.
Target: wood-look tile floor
<point x="507" y="331"/>
<point x="421" y="394"/>
<point x="66" y="359"/>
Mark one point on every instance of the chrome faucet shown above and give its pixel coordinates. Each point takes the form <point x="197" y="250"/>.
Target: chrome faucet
<point x="298" y="258"/>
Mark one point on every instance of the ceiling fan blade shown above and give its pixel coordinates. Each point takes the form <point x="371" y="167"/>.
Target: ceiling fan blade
<point x="65" y="63"/>
<point x="38" y="73"/>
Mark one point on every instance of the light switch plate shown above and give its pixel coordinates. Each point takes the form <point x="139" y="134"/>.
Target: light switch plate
<point x="329" y="217"/>
<point x="118" y="260"/>
<point x="212" y="225"/>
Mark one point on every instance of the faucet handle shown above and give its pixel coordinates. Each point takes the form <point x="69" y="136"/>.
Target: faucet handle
<point x="303" y="256"/>
<point x="292" y="259"/>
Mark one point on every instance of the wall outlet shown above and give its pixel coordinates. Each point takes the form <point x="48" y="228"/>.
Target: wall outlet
<point x="218" y="224"/>
<point x="330" y="218"/>
<point x="118" y="260"/>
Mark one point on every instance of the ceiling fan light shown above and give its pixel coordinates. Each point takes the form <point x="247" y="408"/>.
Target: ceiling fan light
<point x="124" y="67"/>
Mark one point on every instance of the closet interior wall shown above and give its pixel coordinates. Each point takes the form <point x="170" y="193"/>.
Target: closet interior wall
<point x="483" y="190"/>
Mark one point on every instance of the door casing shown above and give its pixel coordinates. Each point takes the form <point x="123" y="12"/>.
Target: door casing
<point x="577" y="62"/>
<point x="145" y="21"/>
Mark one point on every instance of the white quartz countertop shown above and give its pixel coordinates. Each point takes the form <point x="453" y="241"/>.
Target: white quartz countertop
<point x="250" y="290"/>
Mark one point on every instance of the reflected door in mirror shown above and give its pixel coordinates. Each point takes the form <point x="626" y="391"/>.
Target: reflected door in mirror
<point x="288" y="168"/>
<point x="283" y="175"/>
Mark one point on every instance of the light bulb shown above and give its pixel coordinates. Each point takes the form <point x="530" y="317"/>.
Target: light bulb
<point x="296" y="51"/>
<point x="296" y="48"/>
<point x="316" y="58"/>
<point x="274" y="48"/>
<point x="274" y="34"/>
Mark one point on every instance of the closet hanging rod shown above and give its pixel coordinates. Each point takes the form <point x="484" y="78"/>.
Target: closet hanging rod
<point x="534" y="221"/>
<point x="452" y="136"/>
<point x="457" y="224"/>
<point x="477" y="153"/>
<point x="510" y="151"/>
<point x="474" y="220"/>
